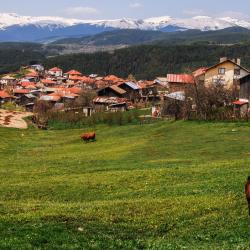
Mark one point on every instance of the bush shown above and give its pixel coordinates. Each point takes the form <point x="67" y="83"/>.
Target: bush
<point x="12" y="107"/>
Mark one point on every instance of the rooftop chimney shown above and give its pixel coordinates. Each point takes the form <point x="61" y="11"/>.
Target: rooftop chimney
<point x="223" y="59"/>
<point x="238" y="61"/>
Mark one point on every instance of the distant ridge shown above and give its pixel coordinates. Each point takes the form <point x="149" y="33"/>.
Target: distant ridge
<point x="14" y="27"/>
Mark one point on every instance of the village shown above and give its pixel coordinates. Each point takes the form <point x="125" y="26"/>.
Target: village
<point x="63" y="90"/>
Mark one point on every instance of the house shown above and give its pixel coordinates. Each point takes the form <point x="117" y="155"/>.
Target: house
<point x="73" y="73"/>
<point x="179" y="82"/>
<point x="110" y="104"/>
<point x="48" y="82"/>
<point x="27" y="100"/>
<point x="52" y="98"/>
<point x="149" y="91"/>
<point x="5" y="97"/>
<point x="7" y="81"/>
<point x="112" y="79"/>
<point x="112" y="91"/>
<point x="18" y="92"/>
<point x="161" y="83"/>
<point x="37" y="67"/>
<point x="227" y="73"/>
<point x="32" y="76"/>
<point x="245" y="87"/>
<point x="56" y="72"/>
<point x="133" y="90"/>
<point x="244" y="96"/>
<point x="199" y="75"/>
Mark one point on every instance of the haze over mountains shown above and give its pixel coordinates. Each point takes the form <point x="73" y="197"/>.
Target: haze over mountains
<point x="16" y="28"/>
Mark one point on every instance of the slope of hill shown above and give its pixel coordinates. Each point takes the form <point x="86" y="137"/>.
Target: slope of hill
<point x="130" y="37"/>
<point x="160" y="186"/>
<point x="149" y="61"/>
<point x="14" y="55"/>
<point x="116" y="37"/>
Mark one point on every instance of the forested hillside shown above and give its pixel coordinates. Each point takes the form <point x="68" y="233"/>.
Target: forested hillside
<point x="231" y="35"/>
<point x="149" y="61"/>
<point x="143" y="61"/>
<point x="14" y="55"/>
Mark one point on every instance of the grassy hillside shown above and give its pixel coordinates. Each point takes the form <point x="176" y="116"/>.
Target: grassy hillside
<point x="169" y="185"/>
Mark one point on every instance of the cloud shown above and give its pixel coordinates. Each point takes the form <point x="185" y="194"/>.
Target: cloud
<point x="194" y="12"/>
<point x="233" y="14"/>
<point x="135" y="5"/>
<point x="81" y="10"/>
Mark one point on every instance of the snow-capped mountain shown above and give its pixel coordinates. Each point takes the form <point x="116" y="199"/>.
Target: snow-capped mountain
<point x="14" y="27"/>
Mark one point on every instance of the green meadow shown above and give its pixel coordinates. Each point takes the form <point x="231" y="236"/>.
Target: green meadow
<point x="167" y="185"/>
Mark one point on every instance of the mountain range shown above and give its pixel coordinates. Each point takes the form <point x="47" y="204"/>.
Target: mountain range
<point x="16" y="28"/>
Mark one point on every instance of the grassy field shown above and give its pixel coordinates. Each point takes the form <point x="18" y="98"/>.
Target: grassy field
<point x="168" y="185"/>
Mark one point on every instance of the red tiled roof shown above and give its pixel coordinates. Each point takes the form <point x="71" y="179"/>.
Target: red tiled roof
<point x="240" y="102"/>
<point x="24" y="84"/>
<point x="30" y="87"/>
<point x="199" y="72"/>
<point x="117" y="89"/>
<point x="47" y="81"/>
<point x="51" y="97"/>
<point x="74" y="90"/>
<point x="4" y="94"/>
<point x="32" y="74"/>
<point x="112" y="78"/>
<point x="21" y="91"/>
<point x="86" y="79"/>
<point x="75" y="77"/>
<point x="73" y="72"/>
<point x="55" y="69"/>
<point x="180" y="78"/>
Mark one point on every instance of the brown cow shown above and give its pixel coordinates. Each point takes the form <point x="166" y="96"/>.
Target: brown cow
<point x="88" y="136"/>
<point x="247" y="191"/>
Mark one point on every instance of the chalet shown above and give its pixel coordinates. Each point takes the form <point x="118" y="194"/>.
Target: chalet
<point x="112" y="91"/>
<point x="179" y="82"/>
<point x="226" y="72"/>
<point x="56" y="72"/>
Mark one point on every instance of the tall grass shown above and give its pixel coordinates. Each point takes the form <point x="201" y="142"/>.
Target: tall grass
<point x="74" y="120"/>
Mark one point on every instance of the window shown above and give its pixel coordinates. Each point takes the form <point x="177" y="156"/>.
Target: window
<point x="219" y="81"/>
<point x="236" y="72"/>
<point x="221" y="71"/>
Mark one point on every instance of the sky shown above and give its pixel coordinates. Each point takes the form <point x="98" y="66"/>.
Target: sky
<point x="139" y="9"/>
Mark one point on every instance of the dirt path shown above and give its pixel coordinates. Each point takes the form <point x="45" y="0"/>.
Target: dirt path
<point x="13" y="119"/>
